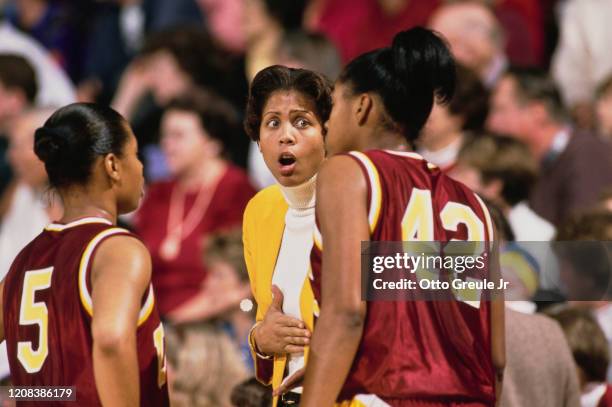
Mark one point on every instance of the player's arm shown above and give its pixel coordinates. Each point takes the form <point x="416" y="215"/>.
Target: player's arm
<point x="342" y="214"/>
<point x="120" y="275"/>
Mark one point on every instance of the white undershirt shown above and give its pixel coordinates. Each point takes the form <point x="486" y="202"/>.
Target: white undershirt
<point x="592" y="394"/>
<point x="294" y="255"/>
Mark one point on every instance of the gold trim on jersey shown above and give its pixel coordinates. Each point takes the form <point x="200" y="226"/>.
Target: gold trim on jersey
<point x="409" y="154"/>
<point x="84" y="294"/>
<point x="57" y="227"/>
<point x="317" y="238"/>
<point x="375" y="188"/>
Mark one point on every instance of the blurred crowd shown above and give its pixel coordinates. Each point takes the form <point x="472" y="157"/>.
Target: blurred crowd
<point x="529" y="129"/>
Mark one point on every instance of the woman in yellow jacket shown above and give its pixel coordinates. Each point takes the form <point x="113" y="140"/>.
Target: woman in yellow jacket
<point x="286" y="112"/>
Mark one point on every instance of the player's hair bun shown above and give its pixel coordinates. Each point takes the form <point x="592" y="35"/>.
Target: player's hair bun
<point x="410" y="75"/>
<point x="49" y="144"/>
<point x="74" y="136"/>
<point x="421" y="53"/>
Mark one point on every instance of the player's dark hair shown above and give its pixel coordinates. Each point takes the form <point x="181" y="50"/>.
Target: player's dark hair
<point x="16" y="72"/>
<point x="417" y="67"/>
<point x="312" y="85"/>
<point x="74" y="136"/>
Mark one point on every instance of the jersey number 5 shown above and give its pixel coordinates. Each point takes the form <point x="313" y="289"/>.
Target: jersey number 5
<point x="34" y="313"/>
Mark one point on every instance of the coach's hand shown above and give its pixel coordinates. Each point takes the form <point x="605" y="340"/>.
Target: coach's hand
<point x="279" y="333"/>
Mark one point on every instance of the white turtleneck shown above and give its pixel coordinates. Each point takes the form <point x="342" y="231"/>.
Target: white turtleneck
<point x="294" y="255"/>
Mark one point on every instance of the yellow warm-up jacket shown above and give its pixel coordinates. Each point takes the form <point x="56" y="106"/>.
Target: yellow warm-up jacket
<point x="263" y="227"/>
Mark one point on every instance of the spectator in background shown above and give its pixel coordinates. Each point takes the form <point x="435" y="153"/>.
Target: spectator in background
<point x="226" y="293"/>
<point x="475" y="36"/>
<point x="358" y="26"/>
<point x="212" y="330"/>
<point x="54" y="87"/>
<point x="582" y="59"/>
<point x="172" y="62"/>
<point x="18" y="88"/>
<point x="444" y="132"/>
<point x="222" y="18"/>
<point x="206" y="194"/>
<point x="264" y="23"/>
<point x="29" y="210"/>
<point x="50" y="23"/>
<point x="603" y="108"/>
<point x="313" y="51"/>
<point x="584" y="249"/>
<point x="591" y="354"/>
<point x="595" y="226"/>
<point x="517" y="266"/>
<point x="575" y="167"/>
<point x="125" y="24"/>
<point x="523" y="25"/>
<point x="251" y="393"/>
<point x="605" y="200"/>
<point x="539" y="366"/>
<point x="503" y="170"/>
<point x="204" y="366"/>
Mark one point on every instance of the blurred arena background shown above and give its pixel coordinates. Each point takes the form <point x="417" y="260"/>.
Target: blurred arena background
<point x="529" y="129"/>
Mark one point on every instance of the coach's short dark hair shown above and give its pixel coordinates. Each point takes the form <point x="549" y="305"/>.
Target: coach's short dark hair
<point x="310" y="84"/>
<point x="16" y="72"/>
<point x="536" y="85"/>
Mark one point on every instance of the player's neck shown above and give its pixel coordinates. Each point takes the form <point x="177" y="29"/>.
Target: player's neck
<point x="385" y="140"/>
<point x="78" y="205"/>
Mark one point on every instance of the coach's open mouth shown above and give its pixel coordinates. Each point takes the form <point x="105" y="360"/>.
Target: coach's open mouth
<point x="287" y="163"/>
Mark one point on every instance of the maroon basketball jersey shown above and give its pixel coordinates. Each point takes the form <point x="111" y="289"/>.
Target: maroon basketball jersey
<point x="47" y="316"/>
<point x="421" y="350"/>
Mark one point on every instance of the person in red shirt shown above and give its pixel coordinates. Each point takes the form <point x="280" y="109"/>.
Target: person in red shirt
<point x="206" y="193"/>
<point x="396" y="353"/>
<point x="78" y="307"/>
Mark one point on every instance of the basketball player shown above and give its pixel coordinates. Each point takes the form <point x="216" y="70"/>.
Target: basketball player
<point x="412" y="353"/>
<point x="77" y="304"/>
